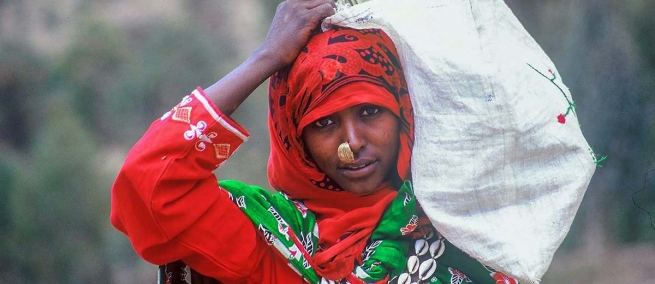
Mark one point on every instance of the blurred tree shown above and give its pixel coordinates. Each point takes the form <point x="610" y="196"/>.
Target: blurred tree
<point x="8" y="184"/>
<point x="634" y="223"/>
<point x="642" y="27"/>
<point x="23" y="84"/>
<point x="89" y="70"/>
<point x="59" y="211"/>
<point x="122" y="81"/>
<point x="23" y="80"/>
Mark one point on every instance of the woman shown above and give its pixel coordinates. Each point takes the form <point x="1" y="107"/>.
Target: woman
<point x="341" y="131"/>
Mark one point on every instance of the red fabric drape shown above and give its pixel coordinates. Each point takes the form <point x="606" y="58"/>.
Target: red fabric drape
<point x="338" y="69"/>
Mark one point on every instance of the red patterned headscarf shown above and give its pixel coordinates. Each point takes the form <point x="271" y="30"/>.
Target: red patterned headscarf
<point x="365" y="63"/>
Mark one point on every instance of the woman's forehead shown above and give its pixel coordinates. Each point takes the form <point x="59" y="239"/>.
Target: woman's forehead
<point x="356" y="93"/>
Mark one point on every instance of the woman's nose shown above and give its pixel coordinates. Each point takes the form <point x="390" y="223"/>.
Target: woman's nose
<point x="354" y="136"/>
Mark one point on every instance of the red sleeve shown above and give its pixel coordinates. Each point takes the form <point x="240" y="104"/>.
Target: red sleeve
<point x="167" y="201"/>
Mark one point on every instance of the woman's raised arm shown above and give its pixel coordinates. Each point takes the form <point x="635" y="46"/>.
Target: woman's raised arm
<point x="166" y="198"/>
<point x="290" y="30"/>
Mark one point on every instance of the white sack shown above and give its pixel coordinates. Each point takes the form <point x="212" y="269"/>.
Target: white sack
<point x="495" y="171"/>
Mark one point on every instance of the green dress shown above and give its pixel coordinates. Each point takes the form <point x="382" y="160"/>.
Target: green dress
<point x="392" y="254"/>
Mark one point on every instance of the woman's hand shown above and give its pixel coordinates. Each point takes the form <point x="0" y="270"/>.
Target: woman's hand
<point x="292" y="26"/>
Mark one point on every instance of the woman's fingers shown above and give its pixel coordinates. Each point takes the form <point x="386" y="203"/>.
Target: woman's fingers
<point x="311" y="4"/>
<point x="292" y="26"/>
<point x="322" y="9"/>
<point x="315" y="8"/>
<point x="325" y="10"/>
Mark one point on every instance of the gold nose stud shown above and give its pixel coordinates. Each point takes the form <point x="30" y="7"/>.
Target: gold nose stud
<point x="345" y="153"/>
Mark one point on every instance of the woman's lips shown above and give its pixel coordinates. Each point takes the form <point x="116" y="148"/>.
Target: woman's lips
<point x="359" y="170"/>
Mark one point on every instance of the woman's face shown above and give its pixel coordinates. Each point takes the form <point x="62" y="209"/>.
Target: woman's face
<point x="373" y="135"/>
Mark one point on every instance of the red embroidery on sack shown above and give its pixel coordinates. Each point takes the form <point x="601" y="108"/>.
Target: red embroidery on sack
<point x="561" y="118"/>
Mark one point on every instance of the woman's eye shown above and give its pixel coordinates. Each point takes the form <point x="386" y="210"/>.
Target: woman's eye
<point x="370" y="111"/>
<point x="323" y="122"/>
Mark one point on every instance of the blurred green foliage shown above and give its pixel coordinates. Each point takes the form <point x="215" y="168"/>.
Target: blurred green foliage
<point x="70" y="114"/>
<point x="118" y="85"/>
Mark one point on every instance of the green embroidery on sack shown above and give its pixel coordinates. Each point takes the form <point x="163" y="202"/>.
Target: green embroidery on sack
<point x="561" y="118"/>
<point x="597" y="160"/>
